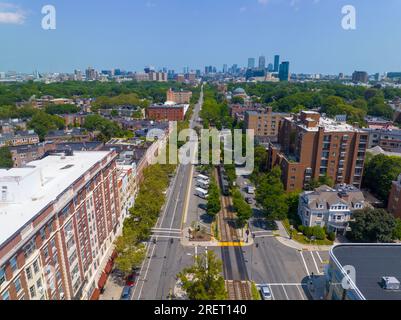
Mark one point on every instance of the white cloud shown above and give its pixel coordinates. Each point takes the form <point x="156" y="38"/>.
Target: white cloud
<point x="11" y="14"/>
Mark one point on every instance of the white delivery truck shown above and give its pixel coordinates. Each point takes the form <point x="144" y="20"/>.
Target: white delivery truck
<point x="204" y="184"/>
<point x="201" y="193"/>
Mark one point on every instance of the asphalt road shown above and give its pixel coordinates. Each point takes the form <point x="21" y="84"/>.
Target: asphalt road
<point x="166" y="257"/>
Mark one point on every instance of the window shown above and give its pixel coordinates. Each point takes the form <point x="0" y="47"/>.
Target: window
<point x="46" y="252"/>
<point x="32" y="292"/>
<point x="320" y="215"/>
<point x="13" y="264"/>
<point x="6" y="295"/>
<point x="39" y="283"/>
<point x="36" y="267"/>
<point x="43" y="234"/>
<point x="17" y="284"/>
<point x="2" y="275"/>
<point x="28" y="273"/>
<point x="29" y="248"/>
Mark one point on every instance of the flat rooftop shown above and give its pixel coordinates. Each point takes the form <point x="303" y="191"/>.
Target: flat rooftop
<point x="329" y="125"/>
<point x="372" y="262"/>
<point x="31" y="189"/>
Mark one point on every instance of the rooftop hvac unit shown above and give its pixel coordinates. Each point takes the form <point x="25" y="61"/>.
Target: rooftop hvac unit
<point x="390" y="283"/>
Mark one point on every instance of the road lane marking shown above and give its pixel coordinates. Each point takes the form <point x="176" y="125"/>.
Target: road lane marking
<point x="306" y="267"/>
<point x="188" y="196"/>
<point x="156" y="231"/>
<point x="231" y="244"/>
<point x="300" y="292"/>
<point x="314" y="261"/>
<point x="285" y="292"/>
<point x="320" y="258"/>
<point x="271" y="291"/>
<point x="168" y="236"/>
<point x="146" y="273"/>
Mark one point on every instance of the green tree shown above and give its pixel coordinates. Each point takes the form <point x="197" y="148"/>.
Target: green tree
<point x="397" y="229"/>
<point x="380" y="171"/>
<point x="61" y="109"/>
<point x="203" y="280"/>
<point x="6" y="160"/>
<point x="213" y="200"/>
<point x="243" y="209"/>
<point x="130" y="252"/>
<point x="271" y="196"/>
<point x="42" y="123"/>
<point x="372" y="225"/>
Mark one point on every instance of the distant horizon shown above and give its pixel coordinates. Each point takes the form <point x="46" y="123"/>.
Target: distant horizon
<point x="176" y="33"/>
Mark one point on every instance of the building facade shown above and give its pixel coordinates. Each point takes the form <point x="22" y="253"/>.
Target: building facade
<point x="386" y="138"/>
<point x="310" y="146"/>
<point x="394" y="200"/>
<point x="166" y="112"/>
<point x="330" y="207"/>
<point x="19" y="138"/>
<point x="265" y="122"/>
<point x="179" y="97"/>
<point x="62" y="217"/>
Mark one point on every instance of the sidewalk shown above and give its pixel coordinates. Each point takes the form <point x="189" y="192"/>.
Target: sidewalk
<point x="112" y="289"/>
<point x="285" y="239"/>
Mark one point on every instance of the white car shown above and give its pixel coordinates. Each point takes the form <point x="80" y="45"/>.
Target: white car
<point x="265" y="292"/>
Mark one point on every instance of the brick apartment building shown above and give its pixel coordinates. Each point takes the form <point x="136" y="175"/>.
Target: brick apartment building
<point x="179" y="97"/>
<point x="60" y="218"/>
<point x="166" y="112"/>
<point x="19" y="138"/>
<point x="265" y="122"/>
<point x="394" y="200"/>
<point x="21" y="155"/>
<point x="310" y="146"/>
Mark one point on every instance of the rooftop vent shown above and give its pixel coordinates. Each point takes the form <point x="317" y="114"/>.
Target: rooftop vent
<point x="390" y="283"/>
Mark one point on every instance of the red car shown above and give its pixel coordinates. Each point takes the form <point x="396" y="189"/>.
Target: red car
<point x="130" y="280"/>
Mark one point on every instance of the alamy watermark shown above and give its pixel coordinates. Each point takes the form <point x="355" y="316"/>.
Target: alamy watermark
<point x="49" y="20"/>
<point x="207" y="147"/>
<point x="348" y="22"/>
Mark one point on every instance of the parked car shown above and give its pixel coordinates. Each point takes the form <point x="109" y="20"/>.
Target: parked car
<point x="251" y="190"/>
<point x="126" y="294"/>
<point x="265" y="292"/>
<point x="130" y="280"/>
<point x="248" y="200"/>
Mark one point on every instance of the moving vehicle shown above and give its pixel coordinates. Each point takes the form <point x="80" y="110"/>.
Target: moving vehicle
<point x="126" y="294"/>
<point x="202" y="193"/>
<point x="265" y="292"/>
<point x="202" y="183"/>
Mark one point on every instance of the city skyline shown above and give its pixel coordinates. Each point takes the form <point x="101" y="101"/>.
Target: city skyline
<point x="132" y="35"/>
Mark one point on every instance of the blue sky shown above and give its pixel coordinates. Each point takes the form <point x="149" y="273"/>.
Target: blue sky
<point x="130" y="34"/>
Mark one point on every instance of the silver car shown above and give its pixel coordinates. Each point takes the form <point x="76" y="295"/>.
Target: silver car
<point x="265" y="292"/>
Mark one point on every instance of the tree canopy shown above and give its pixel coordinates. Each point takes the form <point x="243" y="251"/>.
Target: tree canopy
<point x="6" y="160"/>
<point x="270" y="195"/>
<point x="372" y="225"/>
<point x="380" y="171"/>
<point x="203" y="280"/>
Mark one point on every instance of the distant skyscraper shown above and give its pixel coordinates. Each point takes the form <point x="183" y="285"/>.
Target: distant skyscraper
<point x="284" y="71"/>
<point x="225" y="68"/>
<point x="270" y="67"/>
<point x="276" y="63"/>
<point x="251" y="63"/>
<point x="90" y="74"/>
<point x="360" y="76"/>
<point x="262" y="62"/>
